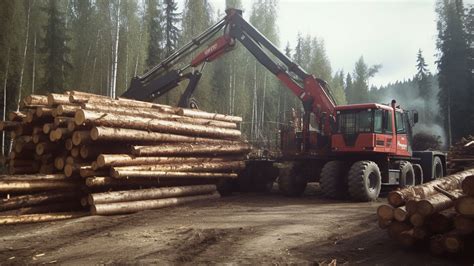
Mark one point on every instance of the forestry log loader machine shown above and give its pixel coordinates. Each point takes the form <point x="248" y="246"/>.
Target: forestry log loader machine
<point x="352" y="150"/>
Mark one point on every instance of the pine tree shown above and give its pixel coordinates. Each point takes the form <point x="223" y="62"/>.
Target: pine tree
<point x="348" y="88"/>
<point x="55" y="50"/>
<point x="171" y="18"/>
<point x="155" y="33"/>
<point x="454" y="73"/>
<point x="360" y="86"/>
<point x="424" y="87"/>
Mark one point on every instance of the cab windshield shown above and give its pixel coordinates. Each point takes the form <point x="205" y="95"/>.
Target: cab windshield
<point x="355" y="121"/>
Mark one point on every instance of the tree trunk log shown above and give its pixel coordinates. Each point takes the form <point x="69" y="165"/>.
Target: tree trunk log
<point x="101" y="181"/>
<point x="44" y="147"/>
<point x="34" y="100"/>
<point x="36" y="218"/>
<point x="396" y="228"/>
<point x="44" y="112"/>
<point x="135" y="206"/>
<point x="143" y="136"/>
<point x="385" y="212"/>
<point x="36" y="199"/>
<point x="132" y="122"/>
<point x="190" y="149"/>
<point x="435" y="203"/>
<point x="81" y="137"/>
<point x="165" y="174"/>
<point x="206" y="115"/>
<point x="9" y="125"/>
<point x="55" y="99"/>
<point x="150" y="193"/>
<point x="451" y="182"/>
<point x="32" y="177"/>
<point x="104" y="160"/>
<point x="401" y="214"/>
<point x="464" y="224"/>
<point x="465" y="206"/>
<point x="468" y="185"/>
<point x="441" y="222"/>
<point x="34" y="185"/>
<point x="92" y="151"/>
<point x="118" y="171"/>
<point x="453" y="241"/>
<point x="67" y="110"/>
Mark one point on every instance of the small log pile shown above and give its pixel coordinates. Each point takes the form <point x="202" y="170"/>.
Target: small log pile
<point x="461" y="155"/>
<point x="438" y="215"/>
<point x="75" y="145"/>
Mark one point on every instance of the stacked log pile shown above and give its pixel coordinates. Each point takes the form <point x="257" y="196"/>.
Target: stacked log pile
<point x="87" y="144"/>
<point x="461" y="155"/>
<point x="438" y="215"/>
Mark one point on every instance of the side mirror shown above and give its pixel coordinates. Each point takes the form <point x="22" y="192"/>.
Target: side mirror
<point x="415" y="117"/>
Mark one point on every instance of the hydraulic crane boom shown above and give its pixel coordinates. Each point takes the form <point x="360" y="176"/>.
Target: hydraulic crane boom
<point x="313" y="92"/>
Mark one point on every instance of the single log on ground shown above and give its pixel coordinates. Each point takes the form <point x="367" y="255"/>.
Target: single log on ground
<point x="133" y="122"/>
<point x="436" y="203"/>
<point x="135" y="206"/>
<point x="104" y="160"/>
<point x="448" y="183"/>
<point x="33" y="100"/>
<point x="465" y="206"/>
<point x="55" y="99"/>
<point x="464" y="224"/>
<point x="101" y="181"/>
<point x="385" y="212"/>
<point x="150" y="193"/>
<point x="165" y="174"/>
<point x="32" y="177"/>
<point x="117" y="171"/>
<point x="140" y="136"/>
<point x="36" y="199"/>
<point x="190" y="149"/>
<point x="400" y="214"/>
<point x="441" y="222"/>
<point x="156" y="114"/>
<point x="34" y="185"/>
<point x="35" y="218"/>
<point x="468" y="185"/>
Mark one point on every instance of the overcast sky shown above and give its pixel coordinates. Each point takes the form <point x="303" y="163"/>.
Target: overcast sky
<point x="387" y="32"/>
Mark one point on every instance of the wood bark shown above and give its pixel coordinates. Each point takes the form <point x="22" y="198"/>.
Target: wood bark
<point x="385" y="212"/>
<point x="417" y="219"/>
<point x="55" y="99"/>
<point x="441" y="222"/>
<point x="67" y="109"/>
<point x="400" y="214"/>
<point x="89" y="171"/>
<point x="167" y="174"/>
<point x="133" y="122"/>
<point x="35" y="218"/>
<point x="451" y="182"/>
<point x="44" y="111"/>
<point x="190" y="149"/>
<point x="62" y="121"/>
<point x="36" y="199"/>
<point x="81" y="137"/>
<point x="468" y="185"/>
<point x="435" y="203"/>
<point x="144" y="136"/>
<point x="465" y="206"/>
<point x="156" y="114"/>
<point x="104" y="160"/>
<point x="34" y="100"/>
<point x="92" y="151"/>
<point x="189" y="167"/>
<point x="34" y="185"/>
<point x="101" y="181"/>
<point x="135" y="206"/>
<point x="32" y="177"/>
<point x="206" y="115"/>
<point x="9" y="125"/>
<point x="150" y="193"/>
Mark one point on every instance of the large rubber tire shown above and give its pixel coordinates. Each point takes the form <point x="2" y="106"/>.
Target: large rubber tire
<point x="437" y="168"/>
<point x="333" y="180"/>
<point x="418" y="174"/>
<point x="407" y="174"/>
<point x="290" y="183"/>
<point x="364" y="181"/>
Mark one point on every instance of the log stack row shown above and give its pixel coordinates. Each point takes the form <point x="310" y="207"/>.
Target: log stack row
<point x="438" y="215"/>
<point x="90" y="144"/>
<point x="461" y="155"/>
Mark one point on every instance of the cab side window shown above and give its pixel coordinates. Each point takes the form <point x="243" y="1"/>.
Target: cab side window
<point x="400" y="122"/>
<point x="378" y="123"/>
<point x="388" y="122"/>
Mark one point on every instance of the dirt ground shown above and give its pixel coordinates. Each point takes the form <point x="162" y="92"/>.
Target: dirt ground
<point x="240" y="229"/>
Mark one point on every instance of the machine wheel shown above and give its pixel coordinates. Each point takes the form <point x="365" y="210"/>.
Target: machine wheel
<point x="364" y="181"/>
<point x="290" y="183"/>
<point x="407" y="174"/>
<point x="333" y="181"/>
<point x="257" y="177"/>
<point x="418" y="174"/>
<point x="437" y="168"/>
